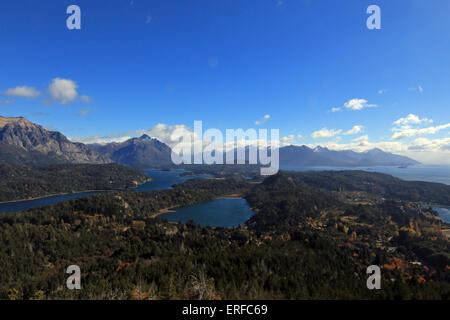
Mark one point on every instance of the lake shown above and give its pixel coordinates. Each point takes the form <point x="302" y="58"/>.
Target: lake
<point x="160" y="180"/>
<point x="226" y="213"/>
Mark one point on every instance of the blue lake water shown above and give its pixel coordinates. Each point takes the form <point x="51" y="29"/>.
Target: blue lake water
<point x="160" y="180"/>
<point x="25" y="205"/>
<point x="444" y="213"/>
<point x="226" y="213"/>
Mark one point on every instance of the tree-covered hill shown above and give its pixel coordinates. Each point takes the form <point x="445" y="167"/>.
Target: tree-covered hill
<point x="22" y="182"/>
<point x="379" y="184"/>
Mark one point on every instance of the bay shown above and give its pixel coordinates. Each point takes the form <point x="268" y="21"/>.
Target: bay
<point x="18" y="206"/>
<point x="163" y="179"/>
<point x="444" y="213"/>
<point x="160" y="180"/>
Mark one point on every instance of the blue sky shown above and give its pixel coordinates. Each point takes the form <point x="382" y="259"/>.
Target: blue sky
<point x="136" y="64"/>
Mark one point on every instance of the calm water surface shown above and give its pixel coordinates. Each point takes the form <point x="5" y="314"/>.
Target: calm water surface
<point x="444" y="213"/>
<point x="162" y="180"/>
<point x="226" y="213"/>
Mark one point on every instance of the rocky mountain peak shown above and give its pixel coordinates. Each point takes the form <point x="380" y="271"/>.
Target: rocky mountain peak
<point x="30" y="137"/>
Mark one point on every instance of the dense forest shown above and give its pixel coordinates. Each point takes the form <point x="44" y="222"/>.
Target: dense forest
<point x="248" y="171"/>
<point x="23" y="182"/>
<point x="370" y="182"/>
<point x="302" y="243"/>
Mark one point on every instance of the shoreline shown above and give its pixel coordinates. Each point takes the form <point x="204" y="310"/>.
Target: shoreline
<point x="162" y="211"/>
<point x="232" y="196"/>
<point x="58" y="194"/>
<point x="70" y="193"/>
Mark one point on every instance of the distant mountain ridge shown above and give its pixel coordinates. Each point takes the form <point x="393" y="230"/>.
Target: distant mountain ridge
<point x="319" y="156"/>
<point x="304" y="156"/>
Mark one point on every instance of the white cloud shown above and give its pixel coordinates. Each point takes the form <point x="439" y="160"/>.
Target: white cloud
<point x="161" y="131"/>
<point x="22" y="92"/>
<point x="382" y="91"/>
<point x="407" y="131"/>
<point x="288" y="140"/>
<point x="410" y="127"/>
<point x="263" y="120"/>
<point x="336" y="109"/>
<point x="101" y="139"/>
<point x="412" y="119"/>
<point x="329" y="133"/>
<point x="362" y="141"/>
<point x="424" y="144"/>
<point x="354" y="130"/>
<point x="63" y="90"/>
<point x="358" y="104"/>
<point x="325" y="133"/>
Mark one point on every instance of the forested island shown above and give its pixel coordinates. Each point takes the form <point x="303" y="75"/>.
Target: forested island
<point x="25" y="182"/>
<point x="304" y="242"/>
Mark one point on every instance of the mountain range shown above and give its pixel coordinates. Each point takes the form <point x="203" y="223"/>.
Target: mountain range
<point x="26" y="143"/>
<point x="296" y="156"/>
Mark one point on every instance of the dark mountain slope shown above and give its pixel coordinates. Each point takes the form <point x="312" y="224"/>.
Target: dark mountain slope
<point x="143" y="152"/>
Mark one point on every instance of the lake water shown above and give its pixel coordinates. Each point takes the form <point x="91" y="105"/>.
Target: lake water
<point x="444" y="213"/>
<point x="427" y="173"/>
<point x="25" y="205"/>
<point x="226" y="213"/>
<point x="160" y="180"/>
